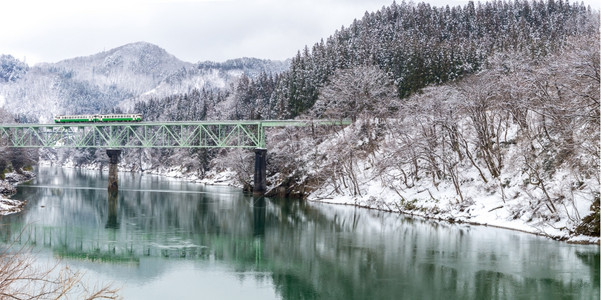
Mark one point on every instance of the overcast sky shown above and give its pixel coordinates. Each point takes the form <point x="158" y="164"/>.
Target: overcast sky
<point x="192" y="30"/>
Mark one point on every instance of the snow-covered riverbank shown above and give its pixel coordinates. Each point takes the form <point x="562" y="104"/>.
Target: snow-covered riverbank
<point x="225" y="178"/>
<point x="8" y="188"/>
<point x="489" y="210"/>
<point x="380" y="178"/>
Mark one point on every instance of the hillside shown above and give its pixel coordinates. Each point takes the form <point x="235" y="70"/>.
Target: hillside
<point x="417" y="45"/>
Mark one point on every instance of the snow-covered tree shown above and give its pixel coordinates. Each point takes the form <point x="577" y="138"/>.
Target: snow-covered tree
<point x="360" y="91"/>
<point x="11" y="68"/>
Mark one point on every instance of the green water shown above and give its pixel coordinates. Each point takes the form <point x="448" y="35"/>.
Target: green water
<point x="162" y="238"/>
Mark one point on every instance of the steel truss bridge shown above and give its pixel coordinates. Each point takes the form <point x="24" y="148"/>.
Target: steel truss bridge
<point x="193" y="134"/>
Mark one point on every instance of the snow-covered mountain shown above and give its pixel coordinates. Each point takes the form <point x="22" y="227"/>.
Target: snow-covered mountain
<point x="135" y="67"/>
<point x="114" y="79"/>
<point x="208" y="75"/>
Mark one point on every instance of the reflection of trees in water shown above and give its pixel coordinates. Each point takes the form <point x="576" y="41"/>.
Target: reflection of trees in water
<point x="311" y="251"/>
<point x="345" y="255"/>
<point x="591" y="259"/>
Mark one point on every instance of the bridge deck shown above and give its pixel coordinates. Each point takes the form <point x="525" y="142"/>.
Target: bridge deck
<point x="184" y="134"/>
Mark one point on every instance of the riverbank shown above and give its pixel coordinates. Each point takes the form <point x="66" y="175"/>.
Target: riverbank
<point x="508" y="206"/>
<point x="223" y="178"/>
<point x="490" y="220"/>
<point x="8" y="187"/>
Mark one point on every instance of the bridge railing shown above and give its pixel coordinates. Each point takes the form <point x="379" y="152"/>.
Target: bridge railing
<point x="205" y="134"/>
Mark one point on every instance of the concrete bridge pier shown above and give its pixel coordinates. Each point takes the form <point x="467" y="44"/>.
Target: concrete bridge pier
<point x="113" y="154"/>
<point x="260" y="179"/>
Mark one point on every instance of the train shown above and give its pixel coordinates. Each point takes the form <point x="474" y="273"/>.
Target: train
<point x="98" y="118"/>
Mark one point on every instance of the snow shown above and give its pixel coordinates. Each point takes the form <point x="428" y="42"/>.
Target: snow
<point x="583" y="239"/>
<point x="10" y="206"/>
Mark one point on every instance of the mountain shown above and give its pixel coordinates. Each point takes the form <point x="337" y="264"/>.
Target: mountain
<point x="135" y="67"/>
<point x="112" y="80"/>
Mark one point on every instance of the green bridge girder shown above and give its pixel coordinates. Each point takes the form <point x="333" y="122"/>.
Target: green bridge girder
<point x="187" y="134"/>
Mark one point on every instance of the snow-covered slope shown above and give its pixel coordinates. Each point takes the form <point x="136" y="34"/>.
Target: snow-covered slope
<point x="209" y="76"/>
<point x="512" y="202"/>
<point x="135" y="67"/>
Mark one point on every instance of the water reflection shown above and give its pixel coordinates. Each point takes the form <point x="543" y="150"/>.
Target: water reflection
<point x="277" y="248"/>
<point x="259" y="211"/>
<point x="112" y="200"/>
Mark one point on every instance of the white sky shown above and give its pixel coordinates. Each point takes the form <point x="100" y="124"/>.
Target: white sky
<point x="192" y="30"/>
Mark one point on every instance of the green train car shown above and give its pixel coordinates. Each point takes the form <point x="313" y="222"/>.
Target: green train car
<point x="98" y="118"/>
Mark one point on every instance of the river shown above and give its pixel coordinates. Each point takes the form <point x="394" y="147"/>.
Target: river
<point x="162" y="238"/>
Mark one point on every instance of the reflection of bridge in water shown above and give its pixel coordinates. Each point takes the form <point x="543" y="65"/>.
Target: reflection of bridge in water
<point x="229" y="230"/>
<point x="126" y="246"/>
<point x="113" y="136"/>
